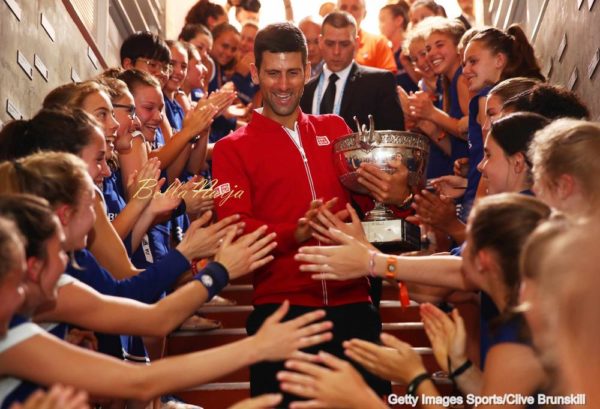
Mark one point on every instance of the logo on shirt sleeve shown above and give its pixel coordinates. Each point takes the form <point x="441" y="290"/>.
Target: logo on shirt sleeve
<point x="223" y="189"/>
<point x="322" y="140"/>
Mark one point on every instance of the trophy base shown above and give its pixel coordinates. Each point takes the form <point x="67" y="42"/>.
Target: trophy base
<point x="393" y="236"/>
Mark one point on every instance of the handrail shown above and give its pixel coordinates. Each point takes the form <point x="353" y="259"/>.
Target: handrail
<point x="85" y="32"/>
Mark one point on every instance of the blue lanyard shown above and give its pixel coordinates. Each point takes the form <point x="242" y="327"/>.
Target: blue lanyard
<point x="338" y="101"/>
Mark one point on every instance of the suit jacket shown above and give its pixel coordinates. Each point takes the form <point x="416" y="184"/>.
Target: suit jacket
<point x="367" y="91"/>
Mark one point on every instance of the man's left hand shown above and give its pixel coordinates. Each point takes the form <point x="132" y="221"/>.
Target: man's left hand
<point x="304" y="230"/>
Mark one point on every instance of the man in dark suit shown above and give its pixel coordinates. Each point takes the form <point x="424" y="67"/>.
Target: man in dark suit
<point x="346" y="88"/>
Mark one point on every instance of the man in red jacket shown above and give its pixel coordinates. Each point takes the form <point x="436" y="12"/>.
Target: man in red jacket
<point x="281" y="165"/>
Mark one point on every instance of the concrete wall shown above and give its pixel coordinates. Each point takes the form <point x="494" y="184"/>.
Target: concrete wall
<point x="65" y="56"/>
<point x="565" y="36"/>
<point x="71" y="52"/>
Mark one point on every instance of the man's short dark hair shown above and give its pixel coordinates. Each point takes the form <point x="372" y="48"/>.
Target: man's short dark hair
<point x="279" y="38"/>
<point x="145" y="44"/>
<point x="339" y="19"/>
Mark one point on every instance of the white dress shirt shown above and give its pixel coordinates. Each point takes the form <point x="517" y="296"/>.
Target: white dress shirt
<point x="340" y="84"/>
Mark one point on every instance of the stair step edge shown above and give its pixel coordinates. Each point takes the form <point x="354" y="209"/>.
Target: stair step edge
<point x="238" y="308"/>
<point x="439" y="379"/>
<point x="388" y="326"/>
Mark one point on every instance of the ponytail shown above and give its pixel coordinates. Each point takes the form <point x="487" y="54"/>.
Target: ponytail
<point x="58" y="177"/>
<point x="522" y="61"/>
<point x="513" y="43"/>
<point x="12" y="139"/>
<point x="61" y="130"/>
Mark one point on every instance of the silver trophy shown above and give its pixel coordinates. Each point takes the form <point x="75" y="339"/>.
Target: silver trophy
<point x="384" y="230"/>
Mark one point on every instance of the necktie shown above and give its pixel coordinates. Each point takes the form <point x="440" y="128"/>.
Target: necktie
<point x="328" y="99"/>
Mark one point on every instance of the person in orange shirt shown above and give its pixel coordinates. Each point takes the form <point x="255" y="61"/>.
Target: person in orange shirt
<point x="373" y="50"/>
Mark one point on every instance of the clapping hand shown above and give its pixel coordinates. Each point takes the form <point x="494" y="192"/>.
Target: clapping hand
<point x="395" y="360"/>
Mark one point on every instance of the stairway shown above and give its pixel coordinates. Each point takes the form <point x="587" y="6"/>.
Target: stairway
<point x="224" y="392"/>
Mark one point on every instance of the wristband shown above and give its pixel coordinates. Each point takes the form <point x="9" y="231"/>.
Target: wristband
<point x="198" y="264"/>
<point x="372" y="254"/>
<point x="214" y="277"/>
<point x="461" y="369"/>
<point x="415" y="383"/>
<point x="391" y="267"/>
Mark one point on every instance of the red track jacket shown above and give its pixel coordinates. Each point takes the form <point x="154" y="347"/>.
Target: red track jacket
<point x="274" y="181"/>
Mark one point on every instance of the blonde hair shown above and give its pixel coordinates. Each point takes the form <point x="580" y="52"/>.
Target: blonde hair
<point x="72" y="95"/>
<point x="562" y="258"/>
<point x="440" y="25"/>
<point x="576" y="301"/>
<point x="417" y="33"/>
<point x="57" y="177"/>
<point x="513" y="86"/>
<point x="568" y="146"/>
<point x="532" y="263"/>
<point x="467" y="36"/>
<point x="114" y="86"/>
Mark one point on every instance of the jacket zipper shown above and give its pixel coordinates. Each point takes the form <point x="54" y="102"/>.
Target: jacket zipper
<point x="311" y="184"/>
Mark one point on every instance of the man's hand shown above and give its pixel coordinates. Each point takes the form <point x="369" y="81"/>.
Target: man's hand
<point x="384" y="187"/>
<point x="304" y="230"/>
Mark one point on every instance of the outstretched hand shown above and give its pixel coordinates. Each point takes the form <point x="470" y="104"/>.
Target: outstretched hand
<point x="202" y="242"/>
<point x="58" y="397"/>
<point x="247" y="253"/>
<point x="327" y="220"/>
<point x="349" y="259"/>
<point x="327" y="385"/>
<point x="277" y="340"/>
<point x="260" y="402"/>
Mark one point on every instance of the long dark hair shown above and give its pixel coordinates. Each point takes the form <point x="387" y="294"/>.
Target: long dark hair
<point x="502" y="223"/>
<point x="513" y="43"/>
<point x="61" y="130"/>
<point x="202" y="10"/>
<point x="514" y="132"/>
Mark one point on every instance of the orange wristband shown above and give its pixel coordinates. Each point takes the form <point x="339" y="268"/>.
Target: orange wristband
<point x="391" y="267"/>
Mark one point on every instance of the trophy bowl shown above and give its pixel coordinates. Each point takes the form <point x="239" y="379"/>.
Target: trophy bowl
<point x="383" y="228"/>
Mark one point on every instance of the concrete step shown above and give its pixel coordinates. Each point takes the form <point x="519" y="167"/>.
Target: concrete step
<point x="181" y="342"/>
<point x="235" y="316"/>
<point x="242" y="293"/>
